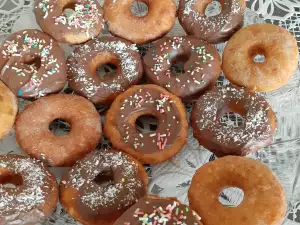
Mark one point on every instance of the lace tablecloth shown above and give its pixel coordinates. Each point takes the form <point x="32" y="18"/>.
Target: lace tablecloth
<point x="173" y="178"/>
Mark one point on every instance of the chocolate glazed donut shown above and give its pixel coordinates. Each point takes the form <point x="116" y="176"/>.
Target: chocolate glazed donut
<point x="201" y="70"/>
<point x="84" y="24"/>
<point x="34" y="196"/>
<point x="255" y="132"/>
<point x="155" y="146"/>
<point x="32" y="64"/>
<point x="214" y="29"/>
<point x="83" y="63"/>
<point x="98" y="189"/>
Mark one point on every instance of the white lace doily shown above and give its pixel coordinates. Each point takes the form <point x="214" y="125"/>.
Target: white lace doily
<point x="173" y="178"/>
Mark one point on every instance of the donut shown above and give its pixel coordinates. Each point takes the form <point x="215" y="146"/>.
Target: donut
<point x="264" y="198"/>
<point x="201" y="70"/>
<point x="155" y="146"/>
<point x="35" y="138"/>
<point x="8" y="110"/>
<point x="82" y="24"/>
<point x="123" y="23"/>
<point x="101" y="186"/>
<point x="257" y="128"/>
<point x="32" y="64"/>
<point x="82" y="65"/>
<point x="158" y="210"/>
<point x="214" y="29"/>
<point x="279" y="48"/>
<point x="28" y="191"/>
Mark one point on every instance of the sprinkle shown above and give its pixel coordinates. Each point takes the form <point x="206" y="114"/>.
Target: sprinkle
<point x="153" y="135"/>
<point x="20" y="92"/>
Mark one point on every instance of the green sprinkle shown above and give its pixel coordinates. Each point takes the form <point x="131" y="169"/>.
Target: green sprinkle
<point x="186" y="209"/>
<point x="169" y="125"/>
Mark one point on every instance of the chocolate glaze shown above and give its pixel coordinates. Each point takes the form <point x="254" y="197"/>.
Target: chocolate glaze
<point x="149" y="101"/>
<point x="201" y="70"/>
<point x="82" y="65"/>
<point x="168" y="211"/>
<point x="255" y="132"/>
<point x="95" y="200"/>
<point x="25" y="80"/>
<point x="85" y="23"/>
<point x="213" y="29"/>
<point x="25" y="204"/>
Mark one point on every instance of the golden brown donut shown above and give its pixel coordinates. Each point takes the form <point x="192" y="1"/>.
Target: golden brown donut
<point x="156" y="146"/>
<point x="82" y="25"/>
<point x="281" y="57"/>
<point x="101" y="186"/>
<point x="157" y="210"/>
<point x="255" y="132"/>
<point x="123" y="23"/>
<point x="35" y="138"/>
<point x="264" y="198"/>
<point x="8" y="110"/>
<point x="34" y="195"/>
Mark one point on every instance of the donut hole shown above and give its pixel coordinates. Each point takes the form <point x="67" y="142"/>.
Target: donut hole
<point x="214" y="8"/>
<point x="11" y="180"/>
<point x="139" y="8"/>
<point x="231" y="197"/>
<point x="146" y="124"/>
<point x="69" y="9"/>
<point x="32" y="61"/>
<point x="59" y="127"/>
<point x="257" y="54"/>
<point x="105" y="178"/>
<point x="178" y="63"/>
<point x="105" y="70"/>
<point x="231" y="119"/>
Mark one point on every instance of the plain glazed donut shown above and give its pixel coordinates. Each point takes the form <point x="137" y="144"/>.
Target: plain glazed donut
<point x="281" y="57"/>
<point x="35" y="138"/>
<point x="100" y="187"/>
<point x="82" y="25"/>
<point x="156" y="146"/>
<point x="264" y="198"/>
<point x="123" y="23"/>
<point x="34" y="195"/>
<point x="201" y="70"/>
<point x="82" y="65"/>
<point x="32" y="64"/>
<point x="157" y="210"/>
<point x="8" y="110"/>
<point x="255" y="132"/>
<point x="214" y="29"/>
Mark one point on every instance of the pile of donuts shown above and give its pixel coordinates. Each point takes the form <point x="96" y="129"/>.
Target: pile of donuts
<point x="109" y="186"/>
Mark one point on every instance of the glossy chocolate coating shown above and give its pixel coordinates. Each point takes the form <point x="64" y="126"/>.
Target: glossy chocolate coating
<point x="82" y="65"/>
<point x="120" y="185"/>
<point x="27" y="81"/>
<point x="201" y="70"/>
<point x="255" y="132"/>
<point x="79" y="26"/>
<point x="153" y="102"/>
<point x="156" y="210"/>
<point x="34" y="196"/>
<point x="214" y="29"/>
